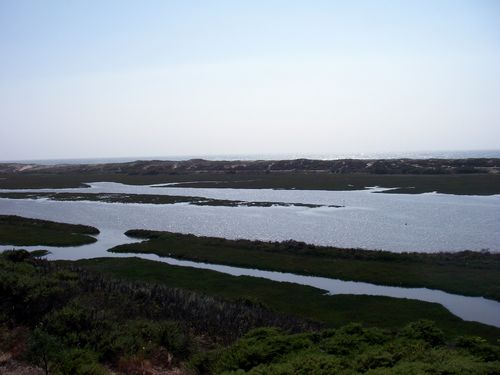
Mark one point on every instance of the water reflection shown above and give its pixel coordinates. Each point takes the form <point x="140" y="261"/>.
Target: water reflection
<point x="395" y="222"/>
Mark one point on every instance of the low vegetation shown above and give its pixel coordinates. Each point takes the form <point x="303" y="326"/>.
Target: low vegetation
<point x="67" y="320"/>
<point x="21" y="231"/>
<point x="151" y="199"/>
<point x="302" y="301"/>
<point x="461" y="184"/>
<point x="467" y="184"/>
<point x="467" y="272"/>
<point x="418" y="348"/>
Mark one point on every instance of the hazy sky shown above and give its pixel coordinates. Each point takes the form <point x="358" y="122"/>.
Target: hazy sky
<point x="125" y="78"/>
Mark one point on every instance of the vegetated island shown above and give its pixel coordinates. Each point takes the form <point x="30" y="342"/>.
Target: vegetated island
<point x="129" y="316"/>
<point x="467" y="272"/>
<point x="479" y="176"/>
<point x="152" y="199"/>
<point x="22" y="231"/>
<point x="330" y="310"/>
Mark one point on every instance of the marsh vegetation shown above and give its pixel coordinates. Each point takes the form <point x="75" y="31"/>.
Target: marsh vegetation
<point x="21" y="231"/>
<point x="467" y="272"/>
<point x="151" y="199"/>
<point x="404" y="176"/>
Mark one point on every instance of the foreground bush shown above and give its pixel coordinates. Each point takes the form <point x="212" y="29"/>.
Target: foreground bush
<point x="77" y="320"/>
<point x="68" y="321"/>
<point x="416" y="349"/>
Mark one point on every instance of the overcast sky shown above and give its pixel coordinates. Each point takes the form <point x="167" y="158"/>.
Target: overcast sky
<point x="137" y="78"/>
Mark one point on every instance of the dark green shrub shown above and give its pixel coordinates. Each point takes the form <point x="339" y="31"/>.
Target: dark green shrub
<point x="79" y="362"/>
<point x="262" y="345"/>
<point x="375" y="358"/>
<point x="424" y="330"/>
<point x="26" y="296"/>
<point x="202" y="363"/>
<point x="75" y="325"/>
<point x="479" y="347"/>
<point x="44" y="350"/>
<point x="351" y="339"/>
<point x="175" y="340"/>
<point x="16" y="255"/>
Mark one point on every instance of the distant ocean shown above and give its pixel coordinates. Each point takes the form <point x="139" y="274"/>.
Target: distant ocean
<point x="329" y="156"/>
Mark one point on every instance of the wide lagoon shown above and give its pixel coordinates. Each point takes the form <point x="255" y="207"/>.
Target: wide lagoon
<point x="371" y="220"/>
<point x="395" y="222"/>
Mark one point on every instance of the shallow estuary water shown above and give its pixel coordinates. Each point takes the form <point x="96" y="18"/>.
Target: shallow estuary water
<point x="395" y="222"/>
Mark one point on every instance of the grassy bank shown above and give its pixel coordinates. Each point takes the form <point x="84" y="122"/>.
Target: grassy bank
<point x="21" y="231"/>
<point x="151" y="199"/>
<point x="475" y="184"/>
<point x="297" y="300"/>
<point x="468" y="273"/>
<point x="479" y="184"/>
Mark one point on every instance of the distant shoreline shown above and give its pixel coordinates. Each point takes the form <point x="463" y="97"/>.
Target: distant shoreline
<point x="440" y="154"/>
<point x="469" y="176"/>
<point x="400" y="166"/>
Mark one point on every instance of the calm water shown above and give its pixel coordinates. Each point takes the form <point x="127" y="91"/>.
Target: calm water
<point x="396" y="222"/>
